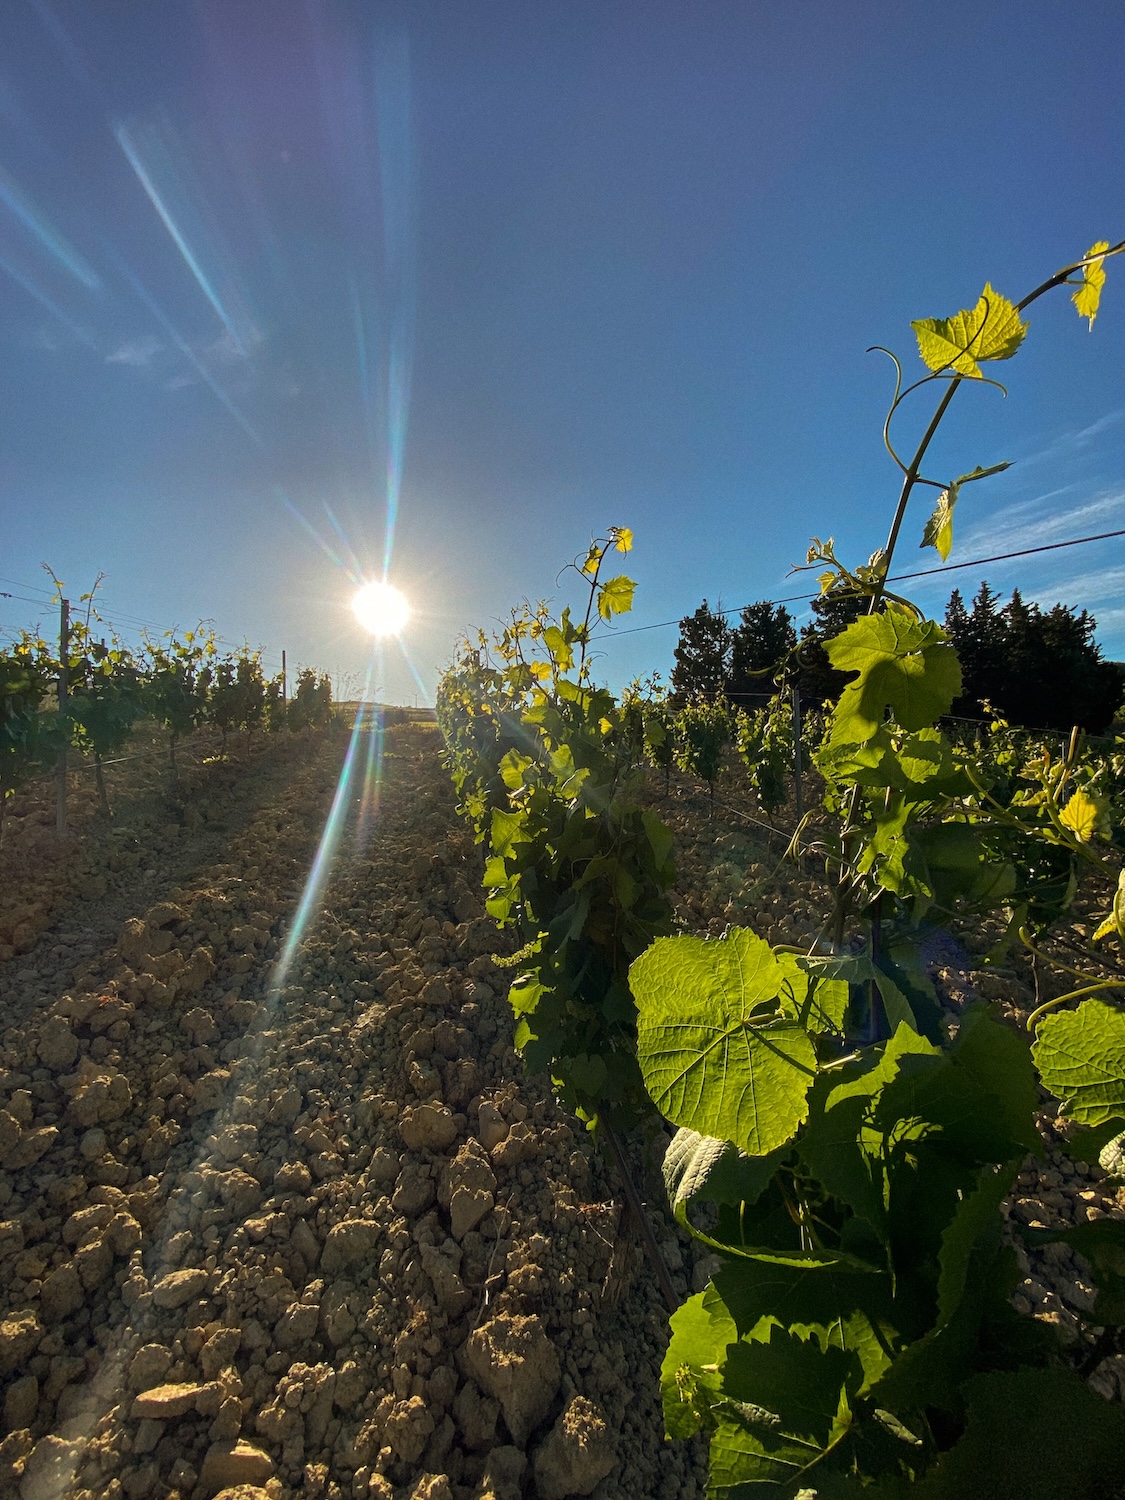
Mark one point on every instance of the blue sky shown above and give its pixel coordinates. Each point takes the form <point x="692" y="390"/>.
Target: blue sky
<point x="273" y="274"/>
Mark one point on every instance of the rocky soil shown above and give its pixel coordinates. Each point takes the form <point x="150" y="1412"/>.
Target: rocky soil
<point x="280" y="1214"/>
<point x="311" y="1233"/>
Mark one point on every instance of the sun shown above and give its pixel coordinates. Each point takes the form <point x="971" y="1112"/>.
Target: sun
<point x="381" y="608"/>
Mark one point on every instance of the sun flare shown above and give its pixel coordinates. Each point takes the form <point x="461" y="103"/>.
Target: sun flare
<point x="381" y="608"/>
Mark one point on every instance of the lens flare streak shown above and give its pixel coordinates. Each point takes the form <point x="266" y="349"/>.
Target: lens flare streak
<point x="149" y="155"/>
<point x="37" y="224"/>
<point x="325" y="855"/>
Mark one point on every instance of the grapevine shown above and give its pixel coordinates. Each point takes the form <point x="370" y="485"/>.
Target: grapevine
<point x="856" y="1148"/>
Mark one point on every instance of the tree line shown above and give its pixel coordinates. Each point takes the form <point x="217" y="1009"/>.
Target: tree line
<point x="1037" y="668"/>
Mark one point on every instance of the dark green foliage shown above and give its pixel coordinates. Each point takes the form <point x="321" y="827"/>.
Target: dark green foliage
<point x="28" y="739"/>
<point x="238" y="694"/>
<point x="178" y="675"/>
<point x="105" y="698"/>
<point x="1040" y="668"/>
<point x="703" y="657"/>
<point x="760" y="648"/>
<point x="311" y="704"/>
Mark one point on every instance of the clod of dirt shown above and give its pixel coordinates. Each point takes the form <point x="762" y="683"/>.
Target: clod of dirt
<point x="503" y="1475"/>
<point x="232" y="1464"/>
<point x="578" y="1454"/>
<point x="467" y="1188"/>
<point x="513" y="1359"/>
<point x="178" y="1287"/>
<point x="428" y="1127"/>
<point x="348" y="1244"/>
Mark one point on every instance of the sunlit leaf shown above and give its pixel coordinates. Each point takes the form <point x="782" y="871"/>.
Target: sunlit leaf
<point x="1082" y="815"/>
<point x="1115" y="922"/>
<point x="622" y="538"/>
<point x="715" y="1056"/>
<point x="1088" y="295"/>
<point x="991" y="330"/>
<point x="903" y="664"/>
<point x="615" y="596"/>
<point x="939" y="528"/>
<point x="1080" y="1055"/>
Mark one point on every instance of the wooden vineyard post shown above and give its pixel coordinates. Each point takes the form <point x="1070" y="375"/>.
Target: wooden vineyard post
<point x="64" y="682"/>
<point x="284" y="682"/>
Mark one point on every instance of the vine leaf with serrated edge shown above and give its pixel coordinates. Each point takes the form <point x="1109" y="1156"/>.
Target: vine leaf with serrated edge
<point x="716" y="1056"/>
<point x="1089" y="293"/>
<point x="615" y="596"/>
<point x="991" y="330"/>
<point x="1082" y="815"/>
<point x="903" y="664"/>
<point x="1080" y="1055"/>
<point x="939" y="528"/>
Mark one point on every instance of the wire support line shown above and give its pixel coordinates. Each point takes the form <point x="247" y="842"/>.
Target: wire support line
<point x="973" y="562"/>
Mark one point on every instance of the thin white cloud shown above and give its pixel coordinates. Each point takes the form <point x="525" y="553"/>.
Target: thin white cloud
<point x="1067" y="442"/>
<point x="1085" y="589"/>
<point x="227" y="350"/>
<point x="178" y="382"/>
<point x="1015" y="526"/>
<point x="135" y="352"/>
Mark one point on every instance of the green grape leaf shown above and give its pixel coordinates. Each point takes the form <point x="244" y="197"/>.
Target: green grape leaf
<point x="1038" y="1434"/>
<point x="974" y="1228"/>
<point x="834" y="1303"/>
<point x="939" y="528"/>
<point x="615" y="596"/>
<point x="991" y="330"/>
<point x="811" y="997"/>
<point x="996" y="1058"/>
<point x="787" y="1405"/>
<point x="699" y="1166"/>
<point x="903" y="664"/>
<point x="1080" y="1055"/>
<point x="690" y="1375"/>
<point x="832" y="1147"/>
<point x="1088" y="295"/>
<point x="716" y="1056"/>
<point x="938" y="531"/>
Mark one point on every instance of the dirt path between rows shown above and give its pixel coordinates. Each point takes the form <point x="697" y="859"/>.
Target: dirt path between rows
<point x="319" y="1236"/>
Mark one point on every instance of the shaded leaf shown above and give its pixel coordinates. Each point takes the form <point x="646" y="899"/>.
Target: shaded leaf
<point x="1038" y="1434"/>
<point x="788" y="1404"/>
